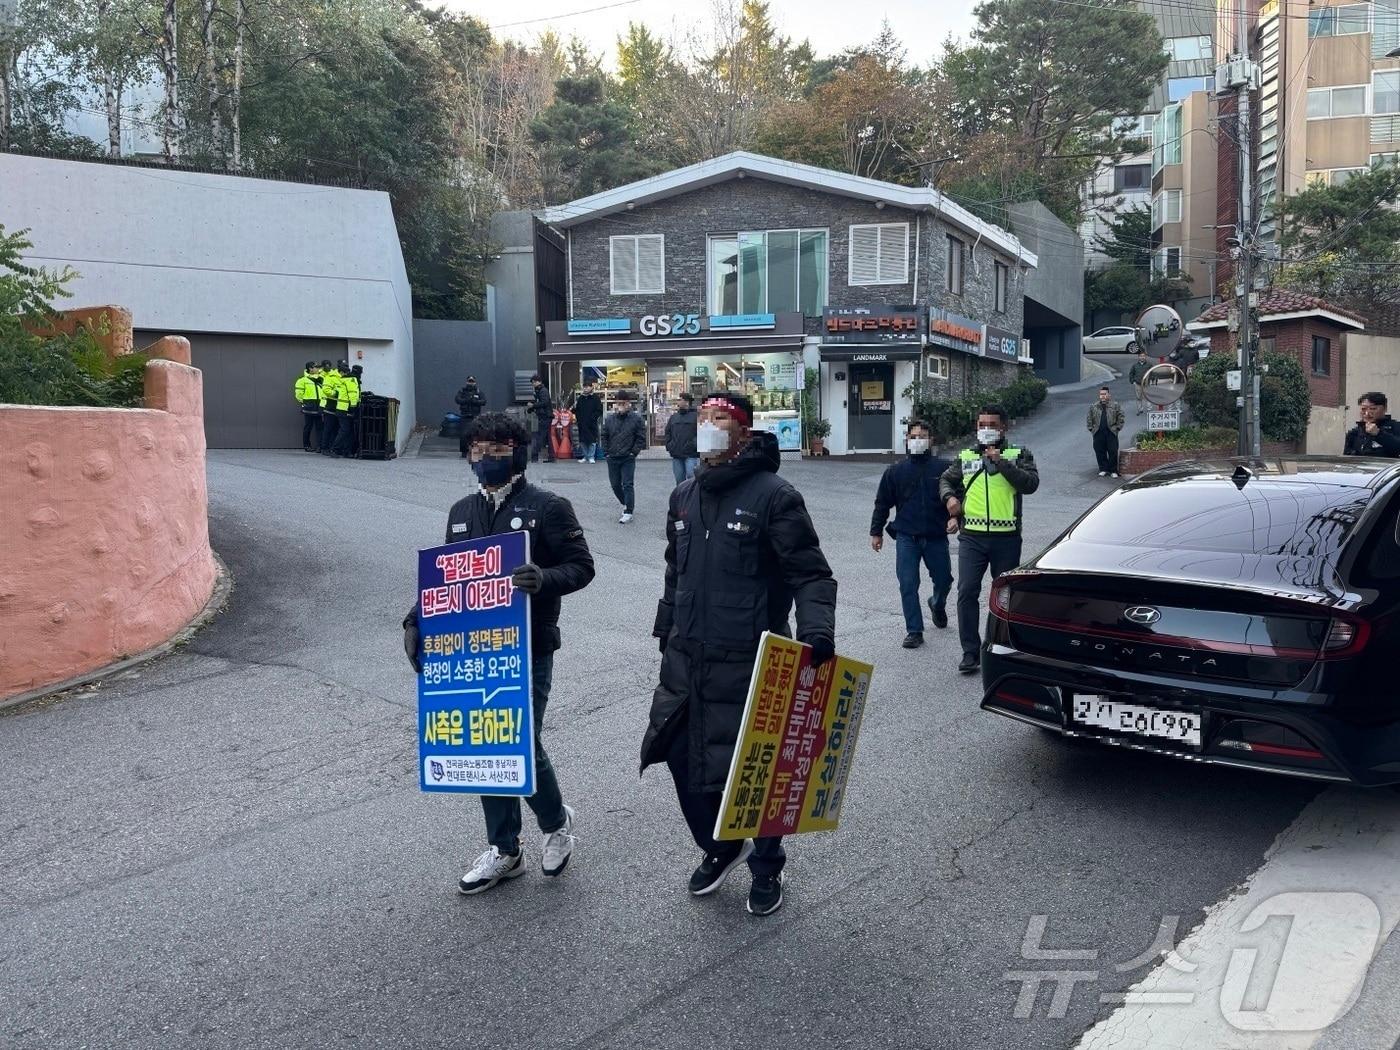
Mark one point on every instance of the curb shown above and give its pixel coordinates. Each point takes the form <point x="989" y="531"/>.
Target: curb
<point x="1104" y="375"/>
<point x="218" y="599"/>
<point x="413" y="444"/>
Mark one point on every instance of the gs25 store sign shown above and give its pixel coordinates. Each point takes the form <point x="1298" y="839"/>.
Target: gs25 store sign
<point x="669" y="324"/>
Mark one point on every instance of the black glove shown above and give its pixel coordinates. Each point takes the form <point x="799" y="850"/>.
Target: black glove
<point x="823" y="649"/>
<point x="412" y="642"/>
<point x="528" y="578"/>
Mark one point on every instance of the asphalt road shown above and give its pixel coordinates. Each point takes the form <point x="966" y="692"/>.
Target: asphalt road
<point x="227" y="848"/>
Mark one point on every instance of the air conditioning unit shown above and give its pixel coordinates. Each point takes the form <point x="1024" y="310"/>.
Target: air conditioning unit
<point x="1237" y="73"/>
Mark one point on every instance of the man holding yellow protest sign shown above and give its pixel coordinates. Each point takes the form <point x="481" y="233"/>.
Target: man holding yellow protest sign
<point x="740" y="553"/>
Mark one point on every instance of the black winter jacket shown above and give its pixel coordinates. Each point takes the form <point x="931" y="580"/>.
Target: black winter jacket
<point x="1385" y="443"/>
<point x="740" y="550"/>
<point x="557" y="546"/>
<point x="471" y="403"/>
<point x="542" y="406"/>
<point x="680" y="434"/>
<point x="588" y="410"/>
<point x="911" y="488"/>
<point x="625" y="435"/>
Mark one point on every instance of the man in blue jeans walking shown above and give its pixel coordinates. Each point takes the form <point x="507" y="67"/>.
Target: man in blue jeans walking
<point x="920" y="530"/>
<point x="624" y="437"/>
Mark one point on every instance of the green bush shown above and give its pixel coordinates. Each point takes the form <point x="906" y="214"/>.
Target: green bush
<point x="953" y="417"/>
<point x="1285" y="403"/>
<point x="1189" y="439"/>
<point x="53" y="369"/>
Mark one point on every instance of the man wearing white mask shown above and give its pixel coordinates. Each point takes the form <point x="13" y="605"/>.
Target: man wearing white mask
<point x="741" y="552"/>
<point x="920" y="530"/>
<point x="983" y="488"/>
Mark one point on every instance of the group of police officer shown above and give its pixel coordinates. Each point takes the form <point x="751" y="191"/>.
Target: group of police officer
<point x="329" y="396"/>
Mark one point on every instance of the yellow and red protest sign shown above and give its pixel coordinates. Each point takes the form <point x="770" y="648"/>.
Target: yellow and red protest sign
<point x="795" y="746"/>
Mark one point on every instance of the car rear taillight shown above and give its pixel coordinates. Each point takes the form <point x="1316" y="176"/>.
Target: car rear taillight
<point x="1345" y="637"/>
<point x="1000" y="602"/>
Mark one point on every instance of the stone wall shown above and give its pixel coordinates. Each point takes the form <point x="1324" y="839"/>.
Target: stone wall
<point x="105" y="519"/>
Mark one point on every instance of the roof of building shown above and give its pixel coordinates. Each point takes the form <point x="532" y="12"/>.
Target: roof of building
<point x="740" y="164"/>
<point x="1282" y="305"/>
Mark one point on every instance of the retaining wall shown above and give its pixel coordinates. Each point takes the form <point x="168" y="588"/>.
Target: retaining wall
<point x="105" y="525"/>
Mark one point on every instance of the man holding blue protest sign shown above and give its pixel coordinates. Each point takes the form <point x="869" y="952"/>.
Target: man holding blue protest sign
<point x="475" y="666"/>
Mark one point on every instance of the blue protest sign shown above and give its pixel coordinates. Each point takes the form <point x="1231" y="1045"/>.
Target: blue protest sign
<point x="475" y="714"/>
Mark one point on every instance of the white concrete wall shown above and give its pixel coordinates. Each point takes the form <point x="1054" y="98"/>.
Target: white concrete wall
<point x="188" y="252"/>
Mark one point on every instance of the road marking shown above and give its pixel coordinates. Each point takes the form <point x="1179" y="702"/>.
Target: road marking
<point x="1276" y="963"/>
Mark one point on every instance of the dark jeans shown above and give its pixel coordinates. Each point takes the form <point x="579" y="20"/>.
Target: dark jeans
<point x="932" y="551"/>
<point x="684" y="467"/>
<point x="975" y="555"/>
<point x="330" y="424"/>
<point x="310" y="421"/>
<point x="503" y="811"/>
<point x="701" y="810"/>
<point x="621" y="473"/>
<point x="540" y="447"/>
<point x="1106" y="449"/>
<point x="345" y="438"/>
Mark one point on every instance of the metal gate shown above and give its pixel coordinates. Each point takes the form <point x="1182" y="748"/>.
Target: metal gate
<point x="248" y="380"/>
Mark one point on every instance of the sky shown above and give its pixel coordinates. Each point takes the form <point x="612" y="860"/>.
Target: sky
<point x="830" y="25"/>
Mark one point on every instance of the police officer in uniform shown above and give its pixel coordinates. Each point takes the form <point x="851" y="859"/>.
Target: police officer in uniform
<point x="346" y="401"/>
<point x="308" y="394"/>
<point x="561" y="564"/>
<point x="330" y="420"/>
<point x="984" y="487"/>
<point x="740" y="552"/>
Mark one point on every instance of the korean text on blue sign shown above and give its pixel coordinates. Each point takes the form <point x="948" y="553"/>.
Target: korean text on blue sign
<point x="475" y="724"/>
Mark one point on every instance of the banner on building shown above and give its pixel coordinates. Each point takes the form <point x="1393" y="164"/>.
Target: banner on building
<point x="475" y="712"/>
<point x="796" y="743"/>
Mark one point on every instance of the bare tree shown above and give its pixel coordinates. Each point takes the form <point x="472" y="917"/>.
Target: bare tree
<point x="210" y="71"/>
<point x="236" y="92"/>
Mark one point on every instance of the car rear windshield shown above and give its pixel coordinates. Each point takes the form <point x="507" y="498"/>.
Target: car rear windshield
<point x="1277" y="518"/>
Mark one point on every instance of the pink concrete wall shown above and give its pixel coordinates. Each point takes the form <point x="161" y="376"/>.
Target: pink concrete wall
<point x="104" y="529"/>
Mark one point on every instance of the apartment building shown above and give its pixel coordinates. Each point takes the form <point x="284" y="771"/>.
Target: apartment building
<point x="1123" y="184"/>
<point x="1185" y="156"/>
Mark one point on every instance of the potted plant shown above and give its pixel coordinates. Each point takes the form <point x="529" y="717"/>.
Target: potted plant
<point x="817" y="430"/>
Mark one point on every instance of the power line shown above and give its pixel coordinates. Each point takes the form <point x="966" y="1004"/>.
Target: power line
<point x="561" y="17"/>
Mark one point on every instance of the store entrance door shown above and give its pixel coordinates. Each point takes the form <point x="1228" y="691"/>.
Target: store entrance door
<point x="871" y="425"/>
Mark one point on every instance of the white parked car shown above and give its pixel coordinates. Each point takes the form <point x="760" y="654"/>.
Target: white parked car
<point x="1120" y="339"/>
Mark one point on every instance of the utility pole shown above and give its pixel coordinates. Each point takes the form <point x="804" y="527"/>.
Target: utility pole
<point x="1240" y="74"/>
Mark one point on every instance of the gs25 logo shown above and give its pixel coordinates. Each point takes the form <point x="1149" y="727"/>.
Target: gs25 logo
<point x="670" y="324"/>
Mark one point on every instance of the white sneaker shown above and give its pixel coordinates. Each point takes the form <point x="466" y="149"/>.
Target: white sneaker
<point x="558" y="845"/>
<point x="625" y="519"/>
<point x="490" y="868"/>
<point x="1103" y="473"/>
<point x="1114" y="474"/>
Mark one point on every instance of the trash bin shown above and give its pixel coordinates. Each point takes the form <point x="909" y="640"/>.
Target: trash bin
<point x="379" y="423"/>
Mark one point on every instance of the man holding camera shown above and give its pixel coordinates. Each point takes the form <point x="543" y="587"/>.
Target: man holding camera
<point x="1375" y="434"/>
<point x="983" y="488"/>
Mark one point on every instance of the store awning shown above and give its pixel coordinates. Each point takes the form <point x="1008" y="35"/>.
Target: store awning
<point x="873" y="353"/>
<point x="669" y="349"/>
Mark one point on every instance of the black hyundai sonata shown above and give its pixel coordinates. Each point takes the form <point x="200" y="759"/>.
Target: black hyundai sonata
<point x="1238" y="613"/>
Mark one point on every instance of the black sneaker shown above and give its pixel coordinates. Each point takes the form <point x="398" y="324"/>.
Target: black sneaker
<point x="970" y="663"/>
<point x="766" y="894"/>
<point x="940" y="614"/>
<point x="715" y="868"/>
<point x="913" y="640"/>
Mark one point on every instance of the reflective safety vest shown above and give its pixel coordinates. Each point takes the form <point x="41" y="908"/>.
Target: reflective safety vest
<point x="330" y="387"/>
<point x="308" y="392"/>
<point x="989" y="500"/>
<point x="347" y="393"/>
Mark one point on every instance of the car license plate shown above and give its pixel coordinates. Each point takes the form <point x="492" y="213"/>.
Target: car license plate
<point x="1182" y="726"/>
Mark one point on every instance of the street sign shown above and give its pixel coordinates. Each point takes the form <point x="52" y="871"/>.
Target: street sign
<point x="475" y="709"/>
<point x="1165" y="419"/>
<point x="1163" y="385"/>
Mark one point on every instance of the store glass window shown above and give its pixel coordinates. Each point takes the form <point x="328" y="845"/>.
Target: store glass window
<point x="769" y="271"/>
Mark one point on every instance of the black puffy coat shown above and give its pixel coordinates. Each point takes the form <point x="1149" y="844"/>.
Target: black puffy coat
<point x="557" y="546"/>
<point x="624" y="435"/>
<point x="680" y="433"/>
<point x="542" y="405"/>
<point x="910" y="488"/>
<point x="471" y="403"/>
<point x="1385" y="443"/>
<point x="740" y="551"/>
